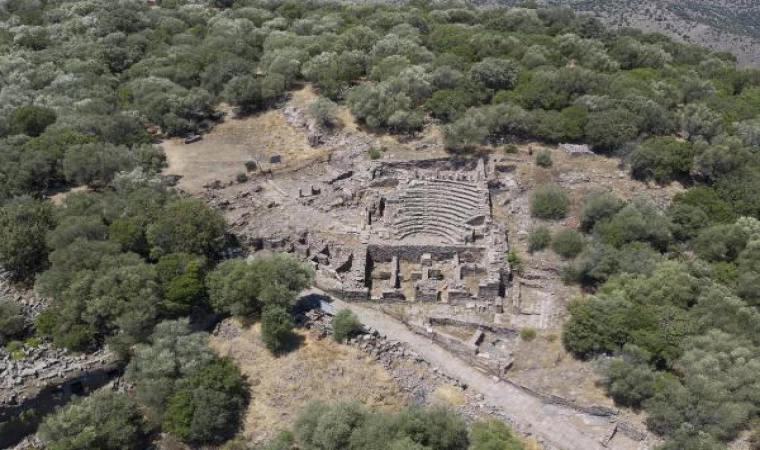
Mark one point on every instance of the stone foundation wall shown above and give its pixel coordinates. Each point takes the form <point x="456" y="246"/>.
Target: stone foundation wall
<point x="381" y="253"/>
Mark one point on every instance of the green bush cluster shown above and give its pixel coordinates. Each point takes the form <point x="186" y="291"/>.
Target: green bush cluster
<point x="549" y="202"/>
<point x="527" y="334"/>
<point x="345" y="324"/>
<point x="276" y="327"/>
<point x="664" y="316"/>
<point x="539" y="238"/>
<point x="348" y="426"/>
<point x="567" y="242"/>
<point x="544" y="158"/>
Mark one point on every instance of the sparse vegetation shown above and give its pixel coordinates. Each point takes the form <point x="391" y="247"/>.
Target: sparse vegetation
<point x="15" y="350"/>
<point x="241" y="177"/>
<point x="567" y="242"/>
<point x="345" y="325"/>
<point x="544" y="158"/>
<point x="515" y="262"/>
<point x="549" y="202"/>
<point x="375" y="153"/>
<point x="539" y="238"/>
<point x="12" y="321"/>
<point x="324" y="112"/>
<point x="527" y="334"/>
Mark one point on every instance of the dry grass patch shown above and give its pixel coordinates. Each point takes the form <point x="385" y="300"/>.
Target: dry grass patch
<point x="545" y="365"/>
<point x="318" y="370"/>
<point x="224" y="151"/>
<point x="448" y="395"/>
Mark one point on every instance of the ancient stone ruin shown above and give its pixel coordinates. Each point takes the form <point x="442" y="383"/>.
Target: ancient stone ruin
<point x="426" y="235"/>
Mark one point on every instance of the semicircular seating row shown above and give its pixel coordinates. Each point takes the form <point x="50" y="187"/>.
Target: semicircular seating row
<point x="438" y="207"/>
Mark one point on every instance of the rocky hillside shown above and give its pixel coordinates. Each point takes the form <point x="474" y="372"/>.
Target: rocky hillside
<point x="723" y="25"/>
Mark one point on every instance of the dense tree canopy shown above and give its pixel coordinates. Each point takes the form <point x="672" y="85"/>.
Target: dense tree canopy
<point x="243" y="288"/>
<point x="677" y="327"/>
<point x="193" y="393"/>
<point x="83" y="82"/>
<point x="106" y="420"/>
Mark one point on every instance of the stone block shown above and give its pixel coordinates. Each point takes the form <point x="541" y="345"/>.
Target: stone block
<point x="426" y="260"/>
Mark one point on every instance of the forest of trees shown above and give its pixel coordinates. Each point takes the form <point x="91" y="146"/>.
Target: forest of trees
<point x="88" y="87"/>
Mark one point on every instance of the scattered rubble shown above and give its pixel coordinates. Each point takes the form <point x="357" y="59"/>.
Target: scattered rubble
<point x="41" y="366"/>
<point x="415" y="376"/>
<point x="576" y="149"/>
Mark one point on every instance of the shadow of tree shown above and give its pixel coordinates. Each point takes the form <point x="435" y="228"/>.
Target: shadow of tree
<point x="290" y="343"/>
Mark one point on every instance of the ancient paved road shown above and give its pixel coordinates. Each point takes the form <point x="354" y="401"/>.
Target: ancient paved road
<point x="561" y="428"/>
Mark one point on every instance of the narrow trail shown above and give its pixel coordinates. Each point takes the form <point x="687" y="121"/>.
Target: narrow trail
<point x="560" y="427"/>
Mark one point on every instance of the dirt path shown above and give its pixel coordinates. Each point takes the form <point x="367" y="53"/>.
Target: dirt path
<point x="560" y="427"/>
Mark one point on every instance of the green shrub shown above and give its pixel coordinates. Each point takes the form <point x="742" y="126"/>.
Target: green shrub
<point x="105" y="420"/>
<point x="241" y="177"/>
<point x="510" y="149"/>
<point x="15" y="349"/>
<point x="598" y="206"/>
<point x="539" y="239"/>
<point x="12" y="322"/>
<point x="568" y="243"/>
<point x="31" y="120"/>
<point x="77" y="338"/>
<point x="324" y="112"/>
<point x="184" y="292"/>
<point x="515" y="262"/>
<point x="250" y="166"/>
<point x="549" y="202"/>
<point x="663" y="159"/>
<point x="276" y="327"/>
<point x="544" y="158"/>
<point x="720" y="243"/>
<point x="492" y="435"/>
<point x="345" y="324"/>
<point x="32" y="342"/>
<point x="46" y="322"/>
<point x="527" y="334"/>
<point x="209" y="406"/>
<point x="639" y="220"/>
<point x="375" y="152"/>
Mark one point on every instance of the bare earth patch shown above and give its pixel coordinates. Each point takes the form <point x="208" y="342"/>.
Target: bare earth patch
<point x="317" y="370"/>
<point x="223" y="152"/>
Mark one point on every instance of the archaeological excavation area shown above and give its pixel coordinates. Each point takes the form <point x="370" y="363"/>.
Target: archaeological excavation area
<point x="417" y="231"/>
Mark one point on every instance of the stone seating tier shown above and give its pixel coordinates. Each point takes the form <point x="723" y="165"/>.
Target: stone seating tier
<point x="441" y="198"/>
<point x="443" y="233"/>
<point x="454" y="213"/>
<point x="445" y="201"/>
<point x="428" y="220"/>
<point x="449" y="231"/>
<point x="475" y="195"/>
<point x="453" y="184"/>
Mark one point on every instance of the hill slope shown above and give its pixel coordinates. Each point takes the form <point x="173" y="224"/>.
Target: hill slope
<point x="723" y="25"/>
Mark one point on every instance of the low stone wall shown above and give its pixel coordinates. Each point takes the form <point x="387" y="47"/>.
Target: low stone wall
<point x="493" y="328"/>
<point x="384" y="253"/>
<point x="463" y="350"/>
<point x="467" y="352"/>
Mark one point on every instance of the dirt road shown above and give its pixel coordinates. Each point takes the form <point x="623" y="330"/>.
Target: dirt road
<point x="559" y="427"/>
